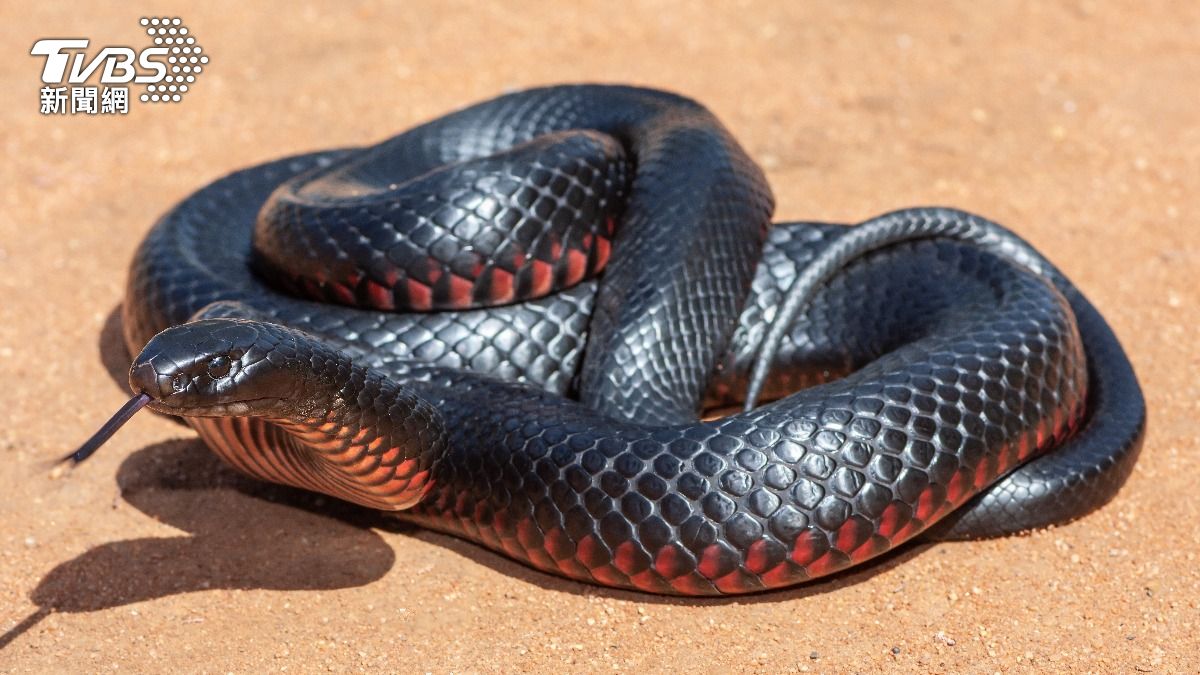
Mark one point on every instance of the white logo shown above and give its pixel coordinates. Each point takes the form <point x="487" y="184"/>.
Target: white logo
<point x="168" y="69"/>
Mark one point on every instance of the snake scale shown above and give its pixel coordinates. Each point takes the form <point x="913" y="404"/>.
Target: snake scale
<point x="507" y="324"/>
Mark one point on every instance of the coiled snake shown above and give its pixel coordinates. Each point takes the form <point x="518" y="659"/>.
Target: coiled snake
<point x="506" y="324"/>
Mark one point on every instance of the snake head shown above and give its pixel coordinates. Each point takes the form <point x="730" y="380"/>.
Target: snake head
<point x="235" y="367"/>
<point x="304" y="387"/>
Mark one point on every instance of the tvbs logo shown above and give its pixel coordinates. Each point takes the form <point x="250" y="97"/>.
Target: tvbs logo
<point x="168" y="69"/>
<point x="117" y="62"/>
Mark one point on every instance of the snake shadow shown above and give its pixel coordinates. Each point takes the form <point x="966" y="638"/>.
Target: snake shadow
<point x="114" y="356"/>
<point x="240" y="534"/>
<point x="245" y="534"/>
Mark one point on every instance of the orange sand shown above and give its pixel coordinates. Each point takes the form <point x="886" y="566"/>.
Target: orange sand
<point x="1074" y="123"/>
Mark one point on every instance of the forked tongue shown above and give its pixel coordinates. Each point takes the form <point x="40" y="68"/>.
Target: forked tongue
<point x="110" y="427"/>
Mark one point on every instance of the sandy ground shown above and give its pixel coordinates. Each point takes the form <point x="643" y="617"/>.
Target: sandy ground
<point x="1075" y="125"/>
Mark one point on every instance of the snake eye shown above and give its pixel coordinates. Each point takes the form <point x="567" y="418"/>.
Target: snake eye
<point x="219" y="367"/>
<point x="179" y="382"/>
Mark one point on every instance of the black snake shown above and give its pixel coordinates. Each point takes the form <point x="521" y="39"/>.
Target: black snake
<point x="525" y="307"/>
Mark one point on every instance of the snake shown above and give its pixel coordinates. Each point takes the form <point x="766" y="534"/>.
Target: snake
<point x="561" y="324"/>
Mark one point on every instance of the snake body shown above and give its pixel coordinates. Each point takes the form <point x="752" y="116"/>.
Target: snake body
<point x="540" y="393"/>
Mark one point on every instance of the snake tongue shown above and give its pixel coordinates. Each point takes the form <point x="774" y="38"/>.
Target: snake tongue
<point x="110" y="427"/>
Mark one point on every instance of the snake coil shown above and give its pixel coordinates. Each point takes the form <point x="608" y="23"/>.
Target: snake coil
<point x="505" y="324"/>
